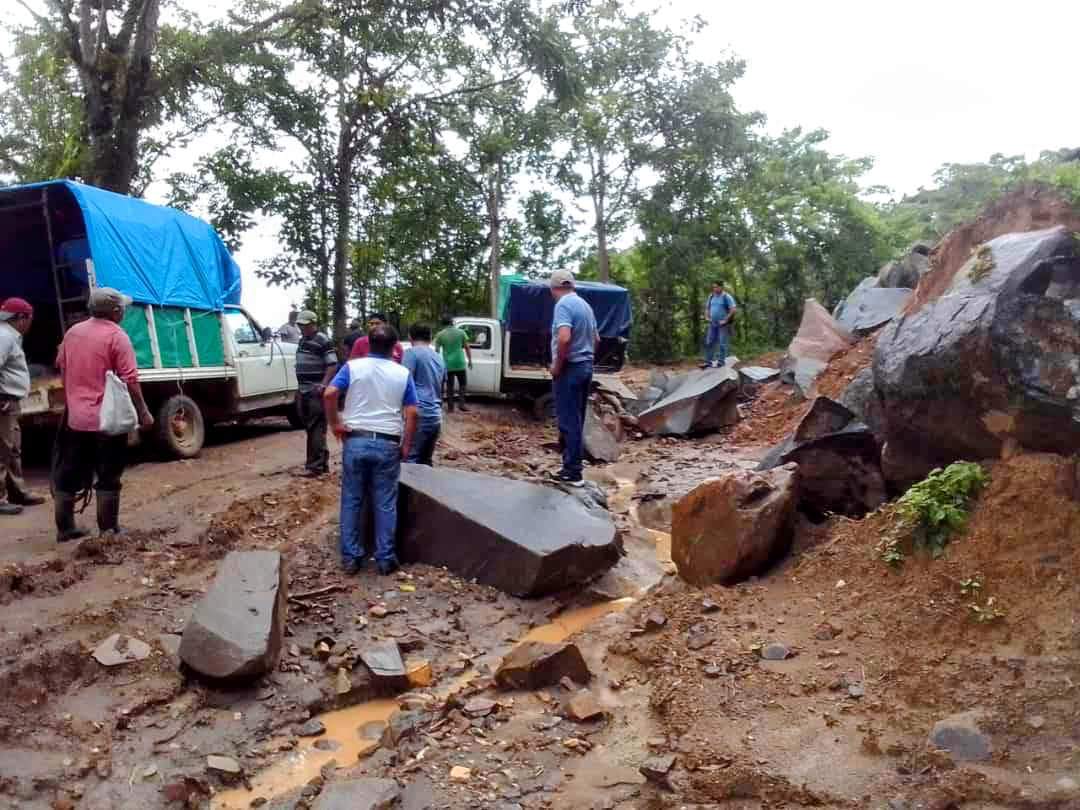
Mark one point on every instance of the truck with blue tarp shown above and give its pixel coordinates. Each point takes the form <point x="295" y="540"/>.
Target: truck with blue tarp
<point x="512" y="353"/>
<point x="202" y="358"/>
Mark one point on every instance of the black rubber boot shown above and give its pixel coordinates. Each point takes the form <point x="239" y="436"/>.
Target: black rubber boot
<point x="64" y="512"/>
<point x="108" y="512"/>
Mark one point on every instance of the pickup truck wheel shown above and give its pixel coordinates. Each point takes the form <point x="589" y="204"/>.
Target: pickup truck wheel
<point x="181" y="428"/>
<point x="544" y="408"/>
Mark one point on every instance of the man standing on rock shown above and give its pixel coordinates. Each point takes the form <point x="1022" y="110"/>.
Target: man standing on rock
<point x="429" y="374"/>
<point x="16" y="316"/>
<point x="316" y="363"/>
<point x="83" y="454"/>
<point x="719" y="310"/>
<point x="376" y="430"/>
<point x="574" y="338"/>
<point x="362" y="347"/>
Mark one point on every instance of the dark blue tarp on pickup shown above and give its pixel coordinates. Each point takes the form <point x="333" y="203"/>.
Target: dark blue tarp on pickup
<point x="531" y="307"/>
<point x="155" y="254"/>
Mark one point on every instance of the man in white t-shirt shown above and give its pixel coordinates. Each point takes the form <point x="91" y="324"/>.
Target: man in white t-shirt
<point x="376" y="429"/>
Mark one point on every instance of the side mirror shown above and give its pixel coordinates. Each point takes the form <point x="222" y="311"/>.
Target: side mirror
<point x="267" y="334"/>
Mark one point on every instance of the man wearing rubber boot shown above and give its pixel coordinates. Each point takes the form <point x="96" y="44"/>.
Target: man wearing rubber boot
<point x="85" y="457"/>
<point x="16" y="316"/>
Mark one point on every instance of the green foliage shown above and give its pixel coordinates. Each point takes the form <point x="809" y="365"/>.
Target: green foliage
<point x="937" y="507"/>
<point x="989" y="611"/>
<point x="984" y="264"/>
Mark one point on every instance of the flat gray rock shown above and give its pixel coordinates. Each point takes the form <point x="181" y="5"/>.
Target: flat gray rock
<point x="870" y="307"/>
<point x="359" y="794"/>
<point x="600" y="443"/>
<point x="525" y="539"/>
<point x="237" y="628"/>
<point x="384" y="662"/>
<point x="118" y="649"/>
<point x="697" y="402"/>
<point x="961" y="736"/>
<point x="759" y="374"/>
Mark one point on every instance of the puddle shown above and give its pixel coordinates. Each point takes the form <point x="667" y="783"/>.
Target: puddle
<point x="570" y="622"/>
<point x="345" y="725"/>
<point x="302" y="765"/>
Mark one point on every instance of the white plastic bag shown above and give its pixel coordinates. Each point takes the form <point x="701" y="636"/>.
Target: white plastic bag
<point x="118" y="416"/>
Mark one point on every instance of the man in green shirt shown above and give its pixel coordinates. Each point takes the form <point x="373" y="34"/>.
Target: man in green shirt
<point x="453" y="343"/>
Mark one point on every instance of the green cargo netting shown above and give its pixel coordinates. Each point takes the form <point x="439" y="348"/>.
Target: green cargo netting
<point x="172" y="337"/>
<point x="135" y="325"/>
<point x="207" y="328"/>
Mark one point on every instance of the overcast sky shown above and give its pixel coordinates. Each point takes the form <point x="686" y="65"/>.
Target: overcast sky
<point x="913" y="85"/>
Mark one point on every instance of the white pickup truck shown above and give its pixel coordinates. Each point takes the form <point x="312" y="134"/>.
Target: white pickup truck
<point x="252" y="374"/>
<point x="511" y="364"/>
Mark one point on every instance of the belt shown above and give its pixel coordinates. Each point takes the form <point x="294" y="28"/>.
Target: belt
<point x="369" y="434"/>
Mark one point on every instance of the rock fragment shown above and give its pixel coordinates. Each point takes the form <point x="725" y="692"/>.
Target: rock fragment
<point x="238" y="627"/>
<point x="535" y="664"/>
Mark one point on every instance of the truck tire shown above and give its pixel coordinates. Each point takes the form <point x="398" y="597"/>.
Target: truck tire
<point x="180" y="427"/>
<point x="544" y="407"/>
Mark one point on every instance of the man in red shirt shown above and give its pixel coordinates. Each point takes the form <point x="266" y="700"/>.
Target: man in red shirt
<point x="361" y="348"/>
<point x="85" y="457"/>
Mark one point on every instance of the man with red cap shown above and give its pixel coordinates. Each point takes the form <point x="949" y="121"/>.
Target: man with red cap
<point x="16" y="315"/>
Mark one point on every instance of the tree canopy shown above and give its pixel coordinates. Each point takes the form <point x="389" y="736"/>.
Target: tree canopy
<point x="410" y="153"/>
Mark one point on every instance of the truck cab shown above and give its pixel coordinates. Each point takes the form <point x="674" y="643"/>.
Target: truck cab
<point x="511" y="354"/>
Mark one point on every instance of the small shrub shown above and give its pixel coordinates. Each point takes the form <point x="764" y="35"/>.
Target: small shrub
<point x="986" y="613"/>
<point x="984" y="264"/>
<point x="933" y="510"/>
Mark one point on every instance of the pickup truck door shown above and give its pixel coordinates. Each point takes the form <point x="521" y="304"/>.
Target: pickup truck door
<point x="260" y="364"/>
<point x="485" y="343"/>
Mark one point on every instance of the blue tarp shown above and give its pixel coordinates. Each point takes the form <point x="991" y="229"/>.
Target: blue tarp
<point x="531" y="307"/>
<point x="155" y="254"/>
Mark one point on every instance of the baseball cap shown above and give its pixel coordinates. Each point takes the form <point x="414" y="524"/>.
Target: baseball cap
<point x="561" y="278"/>
<point x="13" y="307"/>
<point x="106" y="299"/>
<point x="306" y="317"/>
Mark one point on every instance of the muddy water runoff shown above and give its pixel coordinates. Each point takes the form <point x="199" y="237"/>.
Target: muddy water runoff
<point x="357" y="729"/>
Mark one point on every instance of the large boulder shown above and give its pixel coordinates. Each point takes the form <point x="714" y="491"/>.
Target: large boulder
<point x="237" y="629"/>
<point x="697" y="402"/>
<point x="819" y="339"/>
<point x="908" y="271"/>
<point x="732" y="527"/>
<point x="525" y="539"/>
<point x="869" y="307"/>
<point x="839" y="461"/>
<point x="994" y="361"/>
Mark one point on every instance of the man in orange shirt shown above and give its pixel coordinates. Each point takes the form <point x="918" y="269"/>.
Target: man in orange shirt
<point x="85" y="457"/>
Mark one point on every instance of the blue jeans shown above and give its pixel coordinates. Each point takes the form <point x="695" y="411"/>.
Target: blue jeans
<point x="369" y="470"/>
<point x="571" y="398"/>
<point x="716" y="342"/>
<point x="424" y="441"/>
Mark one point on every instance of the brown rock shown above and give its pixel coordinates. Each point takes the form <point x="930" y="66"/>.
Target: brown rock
<point x="656" y="769"/>
<point x="584" y="708"/>
<point x="535" y="664"/>
<point x="733" y="527"/>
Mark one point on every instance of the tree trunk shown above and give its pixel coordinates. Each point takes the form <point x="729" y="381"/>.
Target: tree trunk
<point x="342" y="210"/>
<point x="494" y="199"/>
<point x="603" y="263"/>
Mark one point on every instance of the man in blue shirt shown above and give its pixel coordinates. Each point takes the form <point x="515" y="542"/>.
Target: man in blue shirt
<point x="573" y="344"/>
<point x="429" y="374"/>
<point x="719" y="310"/>
<point x="376" y="429"/>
